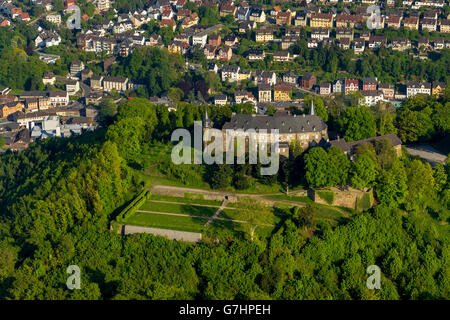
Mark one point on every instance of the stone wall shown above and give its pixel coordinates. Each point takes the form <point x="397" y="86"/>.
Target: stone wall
<point x="170" y="234"/>
<point x="342" y="198"/>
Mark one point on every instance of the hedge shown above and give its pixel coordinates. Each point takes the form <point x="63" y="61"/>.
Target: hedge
<point x="131" y="208"/>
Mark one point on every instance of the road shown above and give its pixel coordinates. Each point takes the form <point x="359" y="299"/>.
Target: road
<point x="427" y="153"/>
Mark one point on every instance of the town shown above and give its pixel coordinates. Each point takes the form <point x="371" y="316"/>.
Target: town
<point x="249" y="150"/>
<point x="247" y="53"/>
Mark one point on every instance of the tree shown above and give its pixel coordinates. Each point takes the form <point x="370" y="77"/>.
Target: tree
<point x="252" y="211"/>
<point x="304" y="216"/>
<point x="339" y="166"/>
<point x="221" y="176"/>
<point x="316" y="164"/>
<point x="386" y="123"/>
<point x="108" y="109"/>
<point x="440" y="177"/>
<point x="421" y="187"/>
<point x="357" y="123"/>
<point x="362" y="172"/>
<point x="175" y="94"/>
<point x="2" y="141"/>
<point x="391" y="189"/>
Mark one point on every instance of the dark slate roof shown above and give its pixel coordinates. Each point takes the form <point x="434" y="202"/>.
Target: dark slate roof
<point x="351" y="146"/>
<point x="284" y="123"/>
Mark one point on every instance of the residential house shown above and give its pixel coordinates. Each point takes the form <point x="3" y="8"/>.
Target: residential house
<point x="281" y="92"/>
<point x="10" y="107"/>
<point x="288" y="40"/>
<point x="264" y="35"/>
<point x="371" y="97"/>
<point x="351" y="85"/>
<point x="344" y="43"/>
<point x="281" y="56"/>
<point x="244" y="75"/>
<point x="230" y="72"/>
<point x="179" y="47"/>
<point x="267" y="77"/>
<point x="325" y="88"/>
<point x="264" y="92"/>
<point x="414" y="88"/>
<point x="321" y="20"/>
<point x="438" y="44"/>
<point x="54" y="18"/>
<point x="339" y="86"/>
<point x="300" y="20"/>
<point x="47" y="39"/>
<point x="428" y="24"/>
<point x="220" y="99"/>
<point x="255" y="54"/>
<point x="230" y="40"/>
<point x="72" y="87"/>
<point x="257" y="14"/>
<point x="48" y="78"/>
<point x="411" y="23"/>
<point x="348" y="21"/>
<point x="387" y="90"/>
<point x="227" y="8"/>
<point x="225" y="53"/>
<point x="209" y="51"/>
<point x="437" y="88"/>
<point x="76" y="67"/>
<point x="308" y="80"/>
<point x="344" y="33"/>
<point x="444" y="26"/>
<point x="242" y="14"/>
<point x="86" y="74"/>
<point x="283" y="18"/>
<point x="313" y="43"/>
<point x="320" y="33"/>
<point x="394" y="22"/>
<point x="369" y="84"/>
<point x="215" y="40"/>
<point x="58" y="98"/>
<point x="200" y="39"/>
<point x="290" y="78"/>
<point x="376" y="42"/>
<point x="400" y="44"/>
<point x="118" y="83"/>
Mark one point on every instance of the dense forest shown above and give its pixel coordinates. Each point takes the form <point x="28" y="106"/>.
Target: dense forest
<point x="58" y="196"/>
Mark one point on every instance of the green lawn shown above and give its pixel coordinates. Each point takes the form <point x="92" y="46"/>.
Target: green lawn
<point x="178" y="208"/>
<point x="265" y="218"/>
<point x="185" y="200"/>
<point x="238" y="229"/>
<point x="167" y="222"/>
<point x="303" y="199"/>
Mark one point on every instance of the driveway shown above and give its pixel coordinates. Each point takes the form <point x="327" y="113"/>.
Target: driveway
<point x="427" y="152"/>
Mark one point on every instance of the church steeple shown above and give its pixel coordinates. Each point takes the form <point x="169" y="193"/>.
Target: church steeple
<point x="312" y="112"/>
<point x="206" y="122"/>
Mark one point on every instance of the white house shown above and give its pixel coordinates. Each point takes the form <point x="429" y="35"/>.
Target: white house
<point x="47" y="39"/>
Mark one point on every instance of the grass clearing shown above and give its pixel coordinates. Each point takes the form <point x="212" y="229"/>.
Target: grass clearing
<point x="303" y="199"/>
<point x="185" y="200"/>
<point x="178" y="208"/>
<point x="146" y="219"/>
